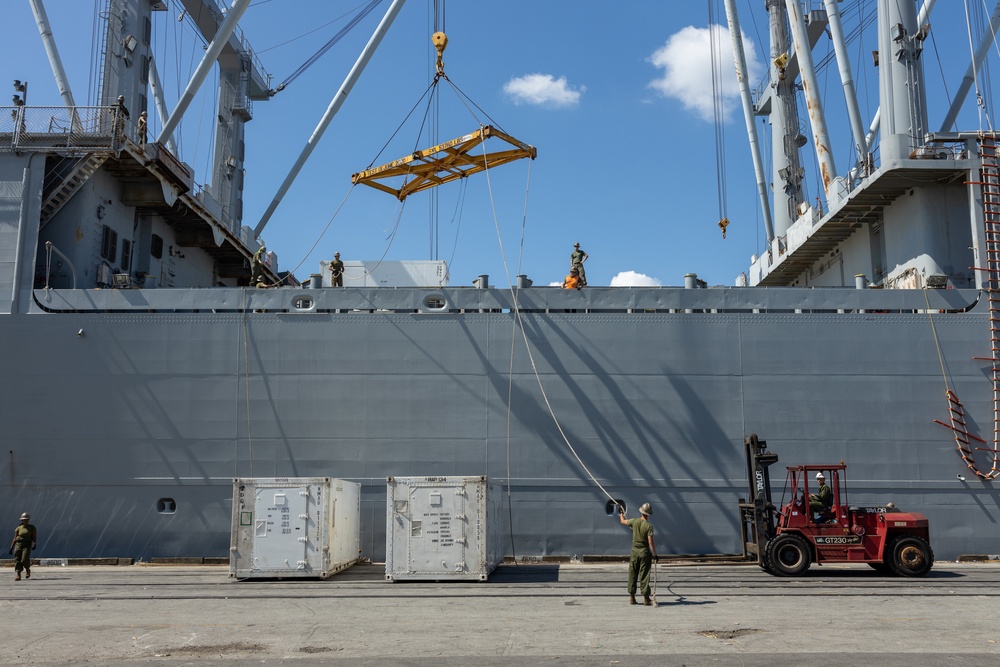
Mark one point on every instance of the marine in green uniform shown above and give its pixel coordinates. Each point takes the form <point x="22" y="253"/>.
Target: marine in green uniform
<point x="336" y="271"/>
<point x="257" y="266"/>
<point x="25" y="539"/>
<point x="643" y="553"/>
<point x="576" y="261"/>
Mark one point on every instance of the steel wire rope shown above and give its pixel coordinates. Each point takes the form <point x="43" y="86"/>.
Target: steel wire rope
<point x="429" y="94"/>
<point x="518" y="323"/>
<point x="246" y="370"/>
<point x="510" y="368"/>
<point x="344" y="201"/>
<point x="524" y="335"/>
<point x="458" y="213"/>
<point x="326" y="47"/>
<point x="305" y="34"/>
<point x="980" y="102"/>
<point x="944" y="80"/>
<point x="94" y="57"/>
<point x="718" y="113"/>
<point x="398" y="217"/>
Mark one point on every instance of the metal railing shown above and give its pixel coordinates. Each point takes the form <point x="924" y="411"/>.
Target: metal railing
<point x="24" y="128"/>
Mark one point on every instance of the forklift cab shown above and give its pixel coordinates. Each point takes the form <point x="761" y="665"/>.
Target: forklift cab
<point x="804" y="486"/>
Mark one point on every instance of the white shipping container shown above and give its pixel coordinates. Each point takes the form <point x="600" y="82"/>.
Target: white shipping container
<point x="407" y="273"/>
<point x="441" y="528"/>
<point x="294" y="527"/>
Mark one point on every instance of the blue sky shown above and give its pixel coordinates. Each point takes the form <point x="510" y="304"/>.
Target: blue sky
<point x="615" y="96"/>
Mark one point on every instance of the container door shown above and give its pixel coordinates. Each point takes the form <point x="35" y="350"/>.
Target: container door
<point x="281" y="529"/>
<point x="438" y="520"/>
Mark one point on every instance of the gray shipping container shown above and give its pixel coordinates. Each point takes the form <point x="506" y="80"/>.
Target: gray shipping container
<point x="442" y="528"/>
<point x="294" y="527"/>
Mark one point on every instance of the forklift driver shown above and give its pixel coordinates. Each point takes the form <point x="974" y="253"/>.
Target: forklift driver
<point x="823" y="498"/>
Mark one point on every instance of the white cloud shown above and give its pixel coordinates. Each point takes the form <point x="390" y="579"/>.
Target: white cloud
<point x="633" y="279"/>
<point x="543" y="90"/>
<point x="687" y="70"/>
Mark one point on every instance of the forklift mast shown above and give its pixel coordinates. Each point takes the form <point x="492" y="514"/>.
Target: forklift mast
<point x="756" y="512"/>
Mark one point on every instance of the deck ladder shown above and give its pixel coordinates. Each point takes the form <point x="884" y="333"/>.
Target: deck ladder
<point x="989" y="183"/>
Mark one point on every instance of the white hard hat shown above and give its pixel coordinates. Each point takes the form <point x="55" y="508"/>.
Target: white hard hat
<point x="819" y="475"/>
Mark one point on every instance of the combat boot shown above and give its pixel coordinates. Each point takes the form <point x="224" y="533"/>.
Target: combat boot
<point x="17" y="577"/>
<point x="646" y="601"/>
<point x="631" y="599"/>
<point x="27" y="573"/>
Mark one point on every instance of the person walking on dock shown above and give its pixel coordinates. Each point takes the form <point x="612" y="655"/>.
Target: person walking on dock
<point x="576" y="261"/>
<point x="25" y="539"/>
<point x="643" y="553"/>
<point x="336" y="271"/>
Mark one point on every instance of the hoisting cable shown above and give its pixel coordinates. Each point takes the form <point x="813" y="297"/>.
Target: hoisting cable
<point x="246" y="370"/>
<point x="367" y="9"/>
<point x="445" y="162"/>
<point x="980" y="102"/>
<point x="718" y="112"/>
<point x="513" y="341"/>
<point x="344" y="201"/>
<point x="531" y="357"/>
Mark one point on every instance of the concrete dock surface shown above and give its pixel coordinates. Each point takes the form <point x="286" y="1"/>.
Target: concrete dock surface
<point x="547" y="614"/>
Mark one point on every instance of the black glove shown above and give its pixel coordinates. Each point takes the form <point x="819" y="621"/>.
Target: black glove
<point x="656" y="558"/>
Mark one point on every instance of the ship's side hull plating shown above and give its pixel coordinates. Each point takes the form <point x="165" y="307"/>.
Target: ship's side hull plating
<point x="129" y="412"/>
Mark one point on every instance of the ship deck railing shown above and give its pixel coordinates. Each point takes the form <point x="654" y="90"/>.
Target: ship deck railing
<point x="64" y="129"/>
<point x="431" y="301"/>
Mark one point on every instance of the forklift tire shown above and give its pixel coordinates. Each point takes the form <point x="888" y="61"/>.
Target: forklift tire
<point x="787" y="555"/>
<point x="910" y="556"/>
<point x="881" y="568"/>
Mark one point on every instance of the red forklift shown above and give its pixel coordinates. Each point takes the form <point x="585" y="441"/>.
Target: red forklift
<point x="786" y="539"/>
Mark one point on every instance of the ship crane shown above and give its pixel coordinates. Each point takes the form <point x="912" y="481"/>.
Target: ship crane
<point x="445" y="162"/>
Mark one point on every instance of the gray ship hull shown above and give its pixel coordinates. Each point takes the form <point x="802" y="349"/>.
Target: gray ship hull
<point x="130" y="411"/>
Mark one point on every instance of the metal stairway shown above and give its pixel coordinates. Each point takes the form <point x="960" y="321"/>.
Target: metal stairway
<point x="64" y="179"/>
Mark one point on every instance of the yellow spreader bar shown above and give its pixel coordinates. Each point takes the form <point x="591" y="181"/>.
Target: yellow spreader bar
<point x="443" y="163"/>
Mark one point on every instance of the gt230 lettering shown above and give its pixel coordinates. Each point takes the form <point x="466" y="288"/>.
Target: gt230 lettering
<point x="847" y="539"/>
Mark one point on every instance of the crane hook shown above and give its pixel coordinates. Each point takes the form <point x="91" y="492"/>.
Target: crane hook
<point x="722" y="225"/>
<point x="440" y="41"/>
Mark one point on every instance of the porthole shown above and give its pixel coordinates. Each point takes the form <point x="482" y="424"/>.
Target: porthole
<point x="166" y="506"/>
<point x="303" y="303"/>
<point x="434" y="302"/>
